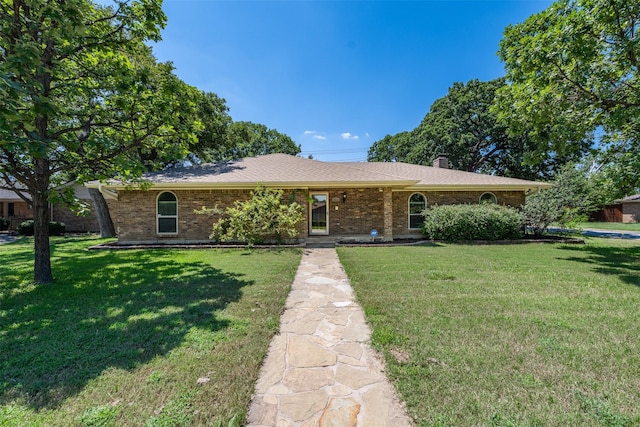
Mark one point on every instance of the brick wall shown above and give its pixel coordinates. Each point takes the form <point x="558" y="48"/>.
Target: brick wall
<point x="631" y="212"/>
<point x="136" y="213"/>
<point x="363" y="210"/>
<point x="74" y="222"/>
<point x="21" y="212"/>
<point x="82" y="224"/>
<point x="401" y="204"/>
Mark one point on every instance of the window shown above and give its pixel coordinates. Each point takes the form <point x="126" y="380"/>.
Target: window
<point x="488" y="198"/>
<point x="417" y="204"/>
<point x="167" y="213"/>
<point x="11" y="209"/>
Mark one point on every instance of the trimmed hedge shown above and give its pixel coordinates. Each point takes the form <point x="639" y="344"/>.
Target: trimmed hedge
<point x="55" y="228"/>
<point x="455" y="223"/>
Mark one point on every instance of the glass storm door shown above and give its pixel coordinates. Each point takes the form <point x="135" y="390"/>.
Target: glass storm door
<point x="319" y="221"/>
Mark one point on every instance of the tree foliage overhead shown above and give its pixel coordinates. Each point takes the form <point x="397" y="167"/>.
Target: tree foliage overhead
<point x="391" y="148"/>
<point x="464" y="125"/>
<point x="82" y="96"/>
<point x="247" y="139"/>
<point x="573" y="70"/>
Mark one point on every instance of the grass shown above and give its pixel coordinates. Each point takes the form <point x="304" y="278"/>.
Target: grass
<point x="507" y="335"/>
<point x="633" y="226"/>
<point x="148" y="338"/>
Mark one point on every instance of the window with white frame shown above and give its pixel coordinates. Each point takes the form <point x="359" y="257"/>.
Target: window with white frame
<point x="167" y="213"/>
<point x="488" y="198"/>
<point x="417" y="204"/>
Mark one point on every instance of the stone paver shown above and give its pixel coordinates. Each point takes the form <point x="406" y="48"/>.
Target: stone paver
<point x="320" y="369"/>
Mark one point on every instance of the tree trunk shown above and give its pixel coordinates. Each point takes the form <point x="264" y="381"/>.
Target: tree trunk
<point x="41" y="213"/>
<point x="102" y="213"/>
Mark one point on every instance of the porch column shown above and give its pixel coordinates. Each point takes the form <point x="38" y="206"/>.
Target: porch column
<point x="387" y="197"/>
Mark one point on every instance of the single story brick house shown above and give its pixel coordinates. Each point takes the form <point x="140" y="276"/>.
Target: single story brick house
<point x="14" y="208"/>
<point x="630" y="208"/>
<point x="340" y="199"/>
<point x="17" y="210"/>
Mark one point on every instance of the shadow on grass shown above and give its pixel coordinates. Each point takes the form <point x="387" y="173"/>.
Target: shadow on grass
<point x="105" y="310"/>
<point x="623" y="262"/>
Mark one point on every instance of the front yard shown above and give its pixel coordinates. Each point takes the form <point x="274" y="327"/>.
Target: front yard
<point x="154" y="337"/>
<point x="507" y="335"/>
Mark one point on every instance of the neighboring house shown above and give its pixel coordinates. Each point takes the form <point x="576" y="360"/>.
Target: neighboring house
<point x="622" y="210"/>
<point x="630" y="208"/>
<point x="16" y="210"/>
<point x="343" y="200"/>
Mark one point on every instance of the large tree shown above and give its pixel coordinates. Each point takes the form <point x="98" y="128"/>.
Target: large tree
<point x="464" y="125"/>
<point x="391" y="148"/>
<point x="82" y="96"/>
<point x="573" y="72"/>
<point x="247" y="139"/>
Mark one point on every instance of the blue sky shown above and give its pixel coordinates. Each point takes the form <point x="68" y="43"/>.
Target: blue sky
<point x="336" y="76"/>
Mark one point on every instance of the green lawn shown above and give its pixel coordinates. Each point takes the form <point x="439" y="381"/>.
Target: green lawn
<point x="507" y="335"/>
<point x="123" y="338"/>
<point x="634" y="226"/>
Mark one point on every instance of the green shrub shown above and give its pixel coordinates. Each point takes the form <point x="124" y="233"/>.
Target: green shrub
<point x="25" y="228"/>
<point x="258" y="219"/>
<point x="4" y="224"/>
<point x="55" y="228"/>
<point x="454" y="223"/>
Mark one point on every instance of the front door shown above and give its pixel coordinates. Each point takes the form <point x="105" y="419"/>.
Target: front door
<point x="319" y="212"/>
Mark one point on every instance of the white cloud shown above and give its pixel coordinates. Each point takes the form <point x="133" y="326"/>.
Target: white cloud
<point x="315" y="134"/>
<point x="347" y="135"/>
<point x="366" y="134"/>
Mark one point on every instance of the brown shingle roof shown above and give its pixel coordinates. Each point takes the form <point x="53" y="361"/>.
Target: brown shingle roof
<point x="431" y="177"/>
<point x="283" y="170"/>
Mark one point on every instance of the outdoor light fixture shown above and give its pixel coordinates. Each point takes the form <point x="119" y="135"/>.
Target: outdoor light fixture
<point x="344" y="197"/>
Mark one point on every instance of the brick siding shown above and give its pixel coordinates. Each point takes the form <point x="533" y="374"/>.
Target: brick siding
<point x="363" y="210"/>
<point x="401" y="205"/>
<point x="21" y="212"/>
<point x="136" y="213"/>
<point x="631" y="212"/>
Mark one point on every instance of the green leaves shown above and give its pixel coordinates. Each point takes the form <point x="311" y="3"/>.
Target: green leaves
<point x="465" y="125"/>
<point x="574" y="70"/>
<point x="246" y="139"/>
<point x="454" y="223"/>
<point x="261" y="217"/>
<point x="84" y="98"/>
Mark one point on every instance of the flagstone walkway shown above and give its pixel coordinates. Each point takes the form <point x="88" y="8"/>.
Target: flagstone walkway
<point x="320" y="369"/>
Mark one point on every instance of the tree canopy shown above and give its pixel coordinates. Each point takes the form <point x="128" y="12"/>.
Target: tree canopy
<point x="83" y="96"/>
<point x="464" y="125"/>
<point x="573" y="72"/>
<point x="247" y="139"/>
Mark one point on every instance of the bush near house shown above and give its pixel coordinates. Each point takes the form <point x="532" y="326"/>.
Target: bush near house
<point x="258" y="219"/>
<point x="4" y="224"/>
<point x="454" y="223"/>
<point x="55" y="228"/>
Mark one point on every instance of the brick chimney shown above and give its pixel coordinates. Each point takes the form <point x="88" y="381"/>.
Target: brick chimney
<point x="442" y="161"/>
